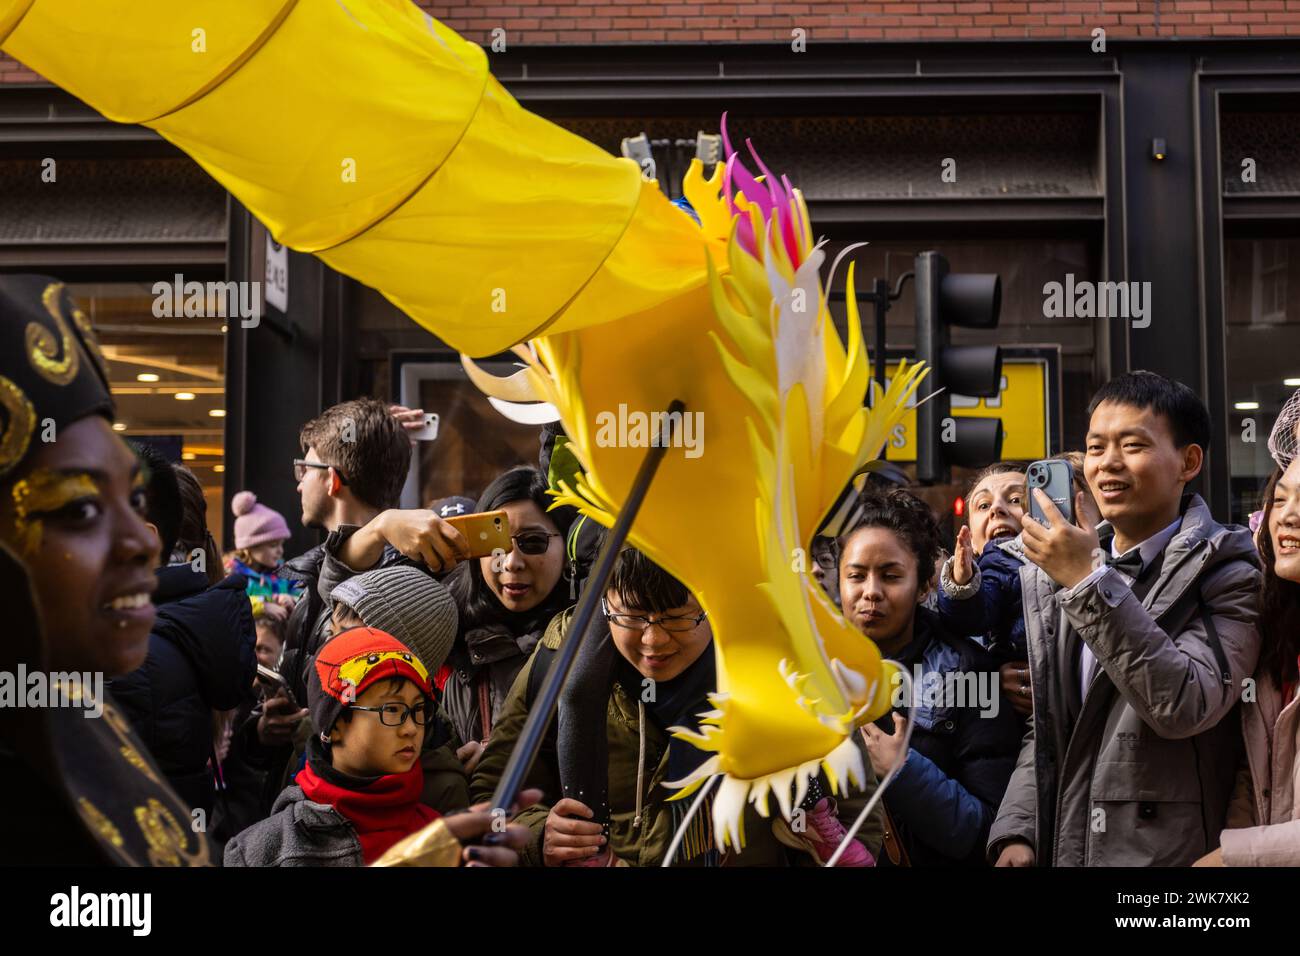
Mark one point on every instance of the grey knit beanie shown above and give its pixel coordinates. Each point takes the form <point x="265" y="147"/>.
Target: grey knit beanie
<point x="408" y="604"/>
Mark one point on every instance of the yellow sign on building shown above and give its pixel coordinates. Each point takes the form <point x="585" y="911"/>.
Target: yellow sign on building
<point x="1022" y="405"/>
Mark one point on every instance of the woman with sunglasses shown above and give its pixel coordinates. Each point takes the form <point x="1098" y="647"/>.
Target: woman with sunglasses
<point x="505" y="603"/>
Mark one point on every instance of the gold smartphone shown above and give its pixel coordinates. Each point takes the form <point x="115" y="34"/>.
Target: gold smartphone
<point x="485" y="532"/>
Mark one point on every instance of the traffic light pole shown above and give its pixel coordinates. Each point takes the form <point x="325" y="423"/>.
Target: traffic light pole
<point x="945" y="299"/>
<point x="882" y="298"/>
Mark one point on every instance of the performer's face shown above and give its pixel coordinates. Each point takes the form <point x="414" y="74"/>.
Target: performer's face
<point x="75" y="516"/>
<point x="879" y="585"/>
<point x="659" y="652"/>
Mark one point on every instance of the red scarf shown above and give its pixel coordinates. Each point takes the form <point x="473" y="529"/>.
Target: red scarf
<point x="382" y="813"/>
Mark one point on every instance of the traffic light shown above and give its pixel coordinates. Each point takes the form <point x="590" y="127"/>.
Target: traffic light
<point x="945" y="299"/>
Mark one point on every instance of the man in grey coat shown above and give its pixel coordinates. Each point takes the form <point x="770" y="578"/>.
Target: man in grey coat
<point x="1138" y="650"/>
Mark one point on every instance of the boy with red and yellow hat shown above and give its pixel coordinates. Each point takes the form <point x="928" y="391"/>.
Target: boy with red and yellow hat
<point x="370" y="701"/>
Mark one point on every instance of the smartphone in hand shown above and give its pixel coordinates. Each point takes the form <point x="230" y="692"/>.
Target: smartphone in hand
<point x="428" y="431"/>
<point x="486" y="532"/>
<point x="1056" y="478"/>
<point x="273" y="681"/>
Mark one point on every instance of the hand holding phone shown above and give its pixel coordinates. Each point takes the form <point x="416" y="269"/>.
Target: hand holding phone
<point x="428" y="431"/>
<point x="487" y="532"/>
<point x="1056" y="477"/>
<point x="274" y="682"/>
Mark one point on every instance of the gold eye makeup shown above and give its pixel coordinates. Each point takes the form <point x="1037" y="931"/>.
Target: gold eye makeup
<point x="42" y="493"/>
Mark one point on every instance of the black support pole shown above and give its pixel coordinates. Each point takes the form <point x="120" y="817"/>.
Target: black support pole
<point x="543" y="709"/>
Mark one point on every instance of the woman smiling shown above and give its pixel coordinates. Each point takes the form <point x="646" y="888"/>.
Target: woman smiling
<point x="72" y="511"/>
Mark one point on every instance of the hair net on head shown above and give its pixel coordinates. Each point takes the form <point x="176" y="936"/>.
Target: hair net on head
<point x="1283" y="443"/>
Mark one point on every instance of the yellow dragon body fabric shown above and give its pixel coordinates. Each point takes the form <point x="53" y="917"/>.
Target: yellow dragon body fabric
<point x="400" y="161"/>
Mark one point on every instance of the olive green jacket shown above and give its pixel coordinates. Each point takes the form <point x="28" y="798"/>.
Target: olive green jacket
<point x="642" y="842"/>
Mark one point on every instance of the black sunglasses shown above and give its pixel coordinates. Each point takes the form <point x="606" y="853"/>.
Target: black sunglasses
<point x="534" y="542"/>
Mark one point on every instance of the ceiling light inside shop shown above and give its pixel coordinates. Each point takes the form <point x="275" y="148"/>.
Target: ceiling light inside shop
<point x="217" y="412"/>
<point x="1245" y="406"/>
<point x="184" y="396"/>
<point x="218" y="468"/>
<point x="1291" y="382"/>
<point x="119" y="427"/>
<point x="147" y="377"/>
<point x="188" y="456"/>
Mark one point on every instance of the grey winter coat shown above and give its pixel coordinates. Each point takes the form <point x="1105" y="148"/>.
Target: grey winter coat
<point x="1143" y="775"/>
<point x="298" y="832"/>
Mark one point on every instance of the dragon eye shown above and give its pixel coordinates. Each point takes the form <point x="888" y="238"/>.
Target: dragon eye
<point x="372" y="659"/>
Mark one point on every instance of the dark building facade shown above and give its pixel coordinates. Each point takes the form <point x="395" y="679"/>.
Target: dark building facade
<point x="1035" y="159"/>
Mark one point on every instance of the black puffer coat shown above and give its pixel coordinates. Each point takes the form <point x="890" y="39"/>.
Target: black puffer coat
<point x="200" y="659"/>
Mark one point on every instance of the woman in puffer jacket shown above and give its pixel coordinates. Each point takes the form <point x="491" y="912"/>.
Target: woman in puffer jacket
<point x="201" y="649"/>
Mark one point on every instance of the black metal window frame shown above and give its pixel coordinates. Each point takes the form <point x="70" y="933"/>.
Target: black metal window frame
<point x="1218" y="79"/>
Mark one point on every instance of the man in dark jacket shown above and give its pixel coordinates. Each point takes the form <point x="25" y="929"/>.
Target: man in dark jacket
<point x="200" y="656"/>
<point x="355" y="458"/>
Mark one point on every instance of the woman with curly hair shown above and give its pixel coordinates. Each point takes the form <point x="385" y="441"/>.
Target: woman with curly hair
<point x="966" y="736"/>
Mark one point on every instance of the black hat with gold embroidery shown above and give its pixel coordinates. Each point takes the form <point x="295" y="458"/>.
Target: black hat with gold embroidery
<point x="51" y="366"/>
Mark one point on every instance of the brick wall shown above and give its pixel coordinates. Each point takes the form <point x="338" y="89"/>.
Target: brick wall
<point x="677" y="21"/>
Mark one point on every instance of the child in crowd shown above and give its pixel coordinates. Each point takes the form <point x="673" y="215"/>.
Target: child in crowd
<point x="270" y="641"/>
<point x="979" y="586"/>
<point x="410" y="604"/>
<point x="260" y="534"/>
<point x="979" y="591"/>
<point x="359" y="794"/>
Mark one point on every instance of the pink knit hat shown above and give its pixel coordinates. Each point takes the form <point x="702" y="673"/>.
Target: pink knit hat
<point x="256" y="524"/>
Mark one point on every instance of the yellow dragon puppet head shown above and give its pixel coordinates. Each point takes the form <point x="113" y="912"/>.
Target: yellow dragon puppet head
<point x="781" y="432"/>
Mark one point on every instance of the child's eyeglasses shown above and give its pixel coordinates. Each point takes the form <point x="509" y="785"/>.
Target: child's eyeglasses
<point x="534" y="542"/>
<point x="394" y="715"/>
<point x="634" y="622"/>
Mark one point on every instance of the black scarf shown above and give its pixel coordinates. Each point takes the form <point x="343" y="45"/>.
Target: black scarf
<point x="677" y="703"/>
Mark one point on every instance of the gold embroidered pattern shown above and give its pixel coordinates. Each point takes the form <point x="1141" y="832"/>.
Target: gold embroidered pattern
<point x="42" y="347"/>
<point x="91" y="340"/>
<point x="166" y="837"/>
<point x="19" y="426"/>
<point x="99" y="823"/>
<point x="128" y="750"/>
